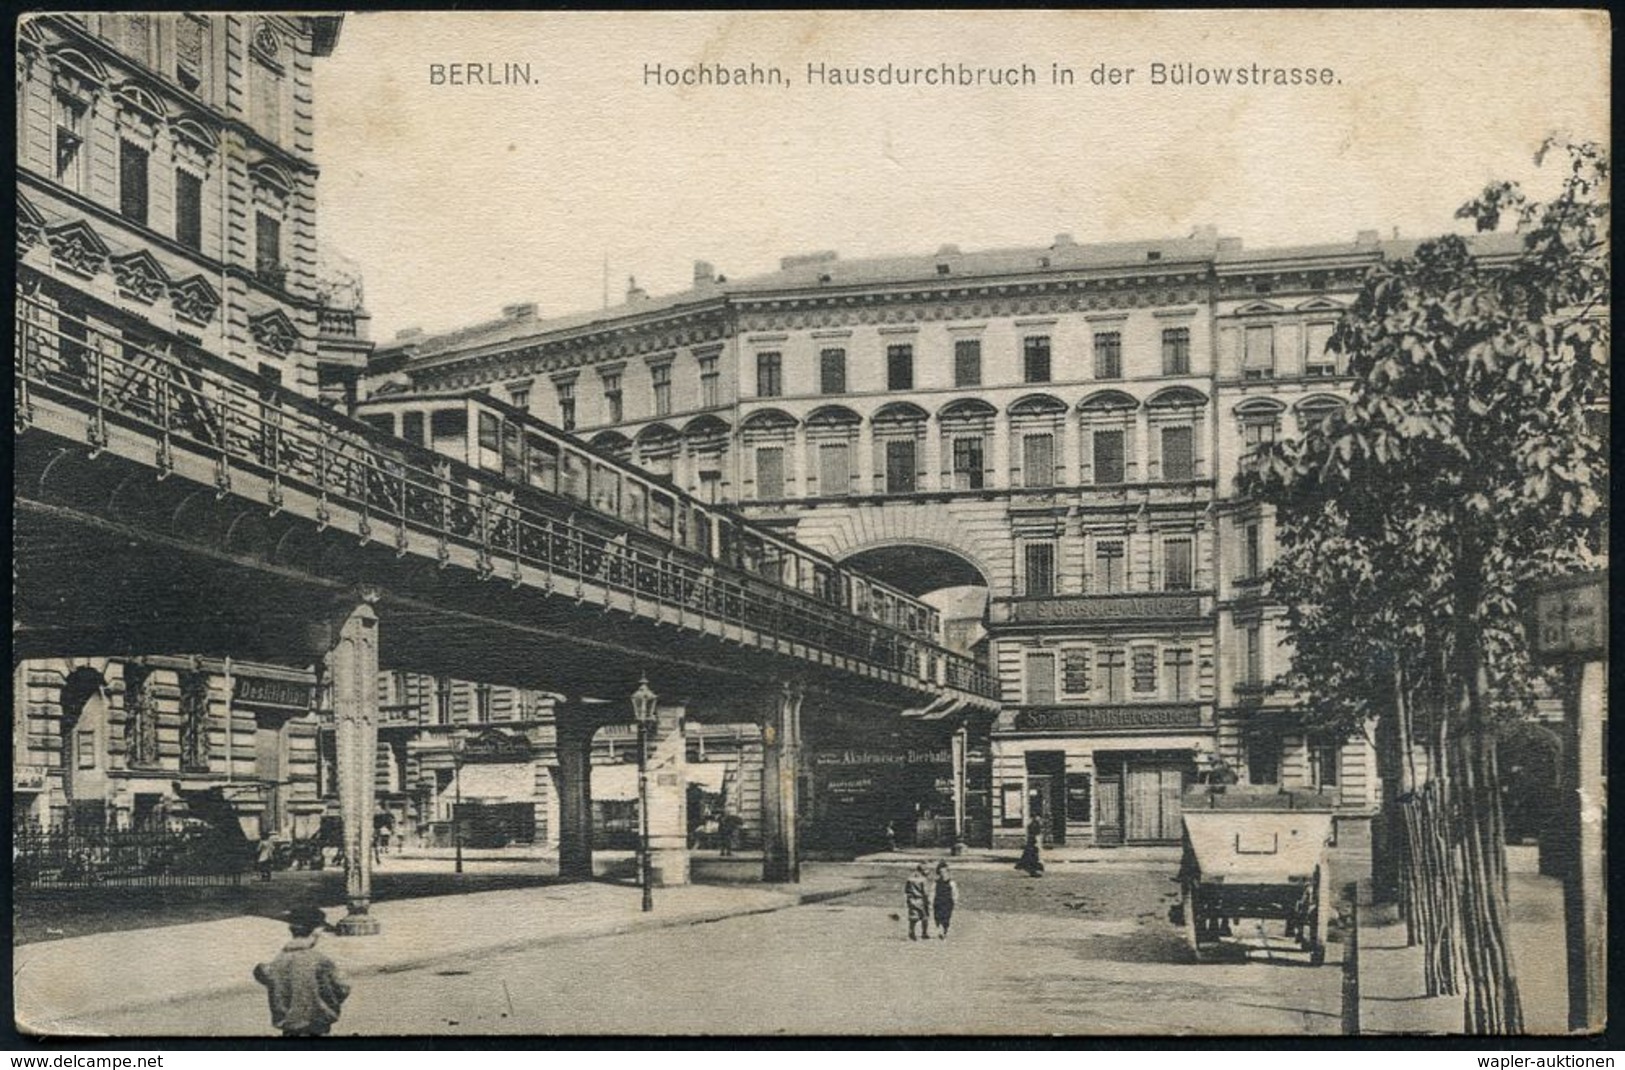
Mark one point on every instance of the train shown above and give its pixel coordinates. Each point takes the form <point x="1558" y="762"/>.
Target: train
<point x="553" y="471"/>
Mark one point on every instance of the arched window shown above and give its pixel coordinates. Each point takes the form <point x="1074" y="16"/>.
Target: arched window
<point x="967" y="428"/>
<point x="768" y="435"/>
<point x="1108" y="453"/>
<point x="832" y="434"/>
<point x="899" y="450"/>
<point x="1037" y="429"/>
<point x="1176" y="417"/>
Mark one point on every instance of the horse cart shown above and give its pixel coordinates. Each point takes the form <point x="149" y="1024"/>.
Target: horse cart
<point x="1252" y="854"/>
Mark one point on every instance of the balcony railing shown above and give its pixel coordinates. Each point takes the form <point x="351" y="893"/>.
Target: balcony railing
<point x="207" y="407"/>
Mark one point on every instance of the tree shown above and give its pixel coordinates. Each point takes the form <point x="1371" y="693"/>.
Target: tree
<point x="1468" y="461"/>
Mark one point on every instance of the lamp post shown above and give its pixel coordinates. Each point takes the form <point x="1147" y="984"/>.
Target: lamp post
<point x="643" y="711"/>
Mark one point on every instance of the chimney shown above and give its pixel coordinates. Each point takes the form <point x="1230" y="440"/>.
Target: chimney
<point x="525" y="311"/>
<point x="1229" y="246"/>
<point x="790" y="263"/>
<point x="1207" y="232"/>
<point x="408" y="333"/>
<point x="1366" y="237"/>
<point x="1063" y="240"/>
<point x="705" y="276"/>
<point x="634" y="292"/>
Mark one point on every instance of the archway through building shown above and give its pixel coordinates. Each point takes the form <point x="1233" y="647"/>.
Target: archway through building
<point x="891" y="783"/>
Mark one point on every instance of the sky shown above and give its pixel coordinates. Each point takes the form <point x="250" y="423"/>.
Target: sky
<point x="455" y="200"/>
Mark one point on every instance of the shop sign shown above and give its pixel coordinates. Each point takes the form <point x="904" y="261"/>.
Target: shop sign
<point x="879" y="757"/>
<point x="277" y="694"/>
<point x="494" y="746"/>
<point x="1105" y="718"/>
<point x="1571" y="617"/>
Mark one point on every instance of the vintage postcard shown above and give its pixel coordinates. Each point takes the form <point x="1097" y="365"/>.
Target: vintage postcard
<point x="885" y="523"/>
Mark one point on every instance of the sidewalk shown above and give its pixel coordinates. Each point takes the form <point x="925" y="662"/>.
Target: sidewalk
<point x="1161" y="854"/>
<point x="66" y="986"/>
<point x="1391" y="993"/>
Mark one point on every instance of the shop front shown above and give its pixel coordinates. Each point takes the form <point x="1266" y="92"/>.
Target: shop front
<point x="1103" y="776"/>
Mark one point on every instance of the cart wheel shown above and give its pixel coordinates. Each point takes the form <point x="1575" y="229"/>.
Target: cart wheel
<point x="1193" y="924"/>
<point x="1319" y="917"/>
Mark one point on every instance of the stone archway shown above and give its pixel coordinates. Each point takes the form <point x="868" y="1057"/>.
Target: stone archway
<point x="84" y="727"/>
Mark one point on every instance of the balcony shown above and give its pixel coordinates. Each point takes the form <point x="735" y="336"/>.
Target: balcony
<point x="1153" y="607"/>
<point x="1160" y="716"/>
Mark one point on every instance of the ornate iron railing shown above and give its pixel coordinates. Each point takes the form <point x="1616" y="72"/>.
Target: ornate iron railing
<point x="196" y="402"/>
<point x="88" y="858"/>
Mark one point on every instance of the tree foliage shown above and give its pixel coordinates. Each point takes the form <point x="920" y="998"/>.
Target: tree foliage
<point x="1469" y="460"/>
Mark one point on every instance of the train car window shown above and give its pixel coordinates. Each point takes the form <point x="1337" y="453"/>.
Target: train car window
<point x="606" y="489"/>
<point x="412" y="427"/>
<point x="447" y="428"/>
<point x="634" y="504"/>
<point x="662" y="515"/>
<point x="489" y="441"/>
<point x="513" y="465"/>
<point x="380" y="421"/>
<point x="702" y="533"/>
<point x="542" y="459"/>
<point x="860" y="592"/>
<point x="573" y="475"/>
<point x="750" y="552"/>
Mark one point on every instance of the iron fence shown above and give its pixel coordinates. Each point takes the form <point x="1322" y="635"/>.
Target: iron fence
<point x="46" y="857"/>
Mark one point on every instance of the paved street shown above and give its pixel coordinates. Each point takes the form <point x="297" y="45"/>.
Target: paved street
<point x="1086" y="949"/>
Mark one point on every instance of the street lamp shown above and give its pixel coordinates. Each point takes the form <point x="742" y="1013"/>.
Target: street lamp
<point x="643" y="711"/>
<point x="457" y="801"/>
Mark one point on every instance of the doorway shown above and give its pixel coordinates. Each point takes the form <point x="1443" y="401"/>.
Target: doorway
<point x="1138" y="798"/>
<point x="1046" y="793"/>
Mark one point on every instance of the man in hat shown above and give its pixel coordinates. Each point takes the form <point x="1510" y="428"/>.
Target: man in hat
<point x="303" y="985"/>
<point x="917" y="898"/>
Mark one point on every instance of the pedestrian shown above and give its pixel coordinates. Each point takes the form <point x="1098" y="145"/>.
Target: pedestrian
<point x="917" y="897"/>
<point x="891" y="837"/>
<point x="943" y="900"/>
<point x="1030" y="860"/>
<point x="303" y="985"/>
<point x="264" y="855"/>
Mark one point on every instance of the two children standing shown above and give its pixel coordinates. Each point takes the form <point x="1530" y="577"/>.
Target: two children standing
<point x="927" y="900"/>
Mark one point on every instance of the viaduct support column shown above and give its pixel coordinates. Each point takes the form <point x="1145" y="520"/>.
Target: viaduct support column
<point x="961" y="750"/>
<point x="574" y="742"/>
<point x="781" y="765"/>
<point x="352" y="662"/>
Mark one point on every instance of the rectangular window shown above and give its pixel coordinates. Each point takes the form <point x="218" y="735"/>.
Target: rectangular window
<point x="1038" y="564"/>
<point x="519" y="399"/>
<point x="968" y="362"/>
<point x="1178" y="453"/>
<point x="1259" y="360"/>
<point x="191" y="65"/>
<point x="1109" y="670"/>
<point x="442" y="700"/>
<point x="1323" y="763"/>
<point x="1038" y="460"/>
<point x="1255" y="433"/>
<point x="900" y="466"/>
<point x="1075" y="671"/>
<point x="132" y="184"/>
<point x="1035" y="359"/>
<point x="1251" y="553"/>
<point x="900" y="367"/>
<point x="189" y="210"/>
<point x="412" y="427"/>
<point x="447" y="424"/>
<point x="267" y="88"/>
<point x="1108" y="355"/>
<point x="968" y="457"/>
<point x="1145" y="670"/>
<point x="1264" y="759"/>
<point x="832" y="371"/>
<point x="488" y="431"/>
<point x="769" y="473"/>
<point x="1176" y="351"/>
<point x="1319" y="359"/>
<point x="1252" y="668"/>
<point x="567" y="405"/>
<point x="615" y="411"/>
<point x="769" y="375"/>
<point x="268" y="248"/>
<point x="708" y="382"/>
<point x="482" y="703"/>
<point x="660" y="381"/>
<point x="1178" y="670"/>
<point x="1176" y="564"/>
<point x="1040" y="679"/>
<point x="834" y="471"/>
<point x="1108" y="457"/>
<point x="1109" y="567"/>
